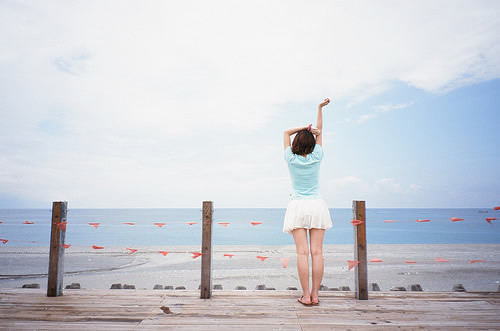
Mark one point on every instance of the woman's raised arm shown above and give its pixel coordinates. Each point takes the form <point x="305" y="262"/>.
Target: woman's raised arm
<point x="319" y="122"/>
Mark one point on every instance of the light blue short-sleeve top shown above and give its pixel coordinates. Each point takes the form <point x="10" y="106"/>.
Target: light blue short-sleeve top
<point x="304" y="172"/>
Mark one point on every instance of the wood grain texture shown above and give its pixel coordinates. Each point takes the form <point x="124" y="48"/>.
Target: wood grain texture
<point x="206" y="250"/>
<point x="360" y="249"/>
<point x="56" y="254"/>
<point x="246" y="310"/>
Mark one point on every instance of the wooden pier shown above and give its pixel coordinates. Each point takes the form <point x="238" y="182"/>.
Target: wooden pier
<point x="28" y="309"/>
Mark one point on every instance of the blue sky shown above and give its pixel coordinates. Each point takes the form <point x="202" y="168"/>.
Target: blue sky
<point x="438" y="151"/>
<point x="164" y="104"/>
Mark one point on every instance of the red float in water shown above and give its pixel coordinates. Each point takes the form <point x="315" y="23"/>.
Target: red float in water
<point x="159" y="224"/>
<point x="456" y="219"/>
<point x="440" y="259"/>
<point x="224" y="224"/>
<point x="95" y="225"/>
<point x="132" y="251"/>
<point x="423" y="220"/>
<point x="489" y="219"/>
<point x="262" y="258"/>
<point x="255" y="223"/>
<point x="229" y="255"/>
<point x="97" y="247"/>
<point x="164" y="253"/>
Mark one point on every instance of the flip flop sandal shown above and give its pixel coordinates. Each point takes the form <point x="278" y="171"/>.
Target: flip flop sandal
<point x="304" y="303"/>
<point x="315" y="303"/>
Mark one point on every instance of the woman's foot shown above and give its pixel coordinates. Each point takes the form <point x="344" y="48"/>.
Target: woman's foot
<point x="304" y="302"/>
<point x="315" y="299"/>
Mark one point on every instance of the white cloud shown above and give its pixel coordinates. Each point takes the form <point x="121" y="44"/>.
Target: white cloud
<point x="383" y="109"/>
<point x="388" y="184"/>
<point x="150" y="89"/>
<point x="382" y="184"/>
<point x="389" y="107"/>
<point x="366" y="117"/>
<point x="383" y="192"/>
<point x="415" y="187"/>
<point x="347" y="181"/>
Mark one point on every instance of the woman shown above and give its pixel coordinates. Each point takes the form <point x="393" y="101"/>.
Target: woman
<point x="307" y="211"/>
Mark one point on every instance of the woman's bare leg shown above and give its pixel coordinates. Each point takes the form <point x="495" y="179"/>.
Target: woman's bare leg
<point x="316" y="237"/>
<point x="300" y="237"/>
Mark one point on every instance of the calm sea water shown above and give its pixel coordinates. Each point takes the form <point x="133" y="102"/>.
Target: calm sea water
<point x="111" y="231"/>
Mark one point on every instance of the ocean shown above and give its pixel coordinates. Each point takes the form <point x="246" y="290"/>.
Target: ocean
<point x="112" y="232"/>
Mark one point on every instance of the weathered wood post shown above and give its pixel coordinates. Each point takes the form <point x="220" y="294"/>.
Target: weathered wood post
<point x="206" y="250"/>
<point x="56" y="255"/>
<point x="361" y="270"/>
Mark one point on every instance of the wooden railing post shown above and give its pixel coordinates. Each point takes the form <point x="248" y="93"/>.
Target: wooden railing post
<point x="361" y="270"/>
<point x="56" y="255"/>
<point x="206" y="250"/>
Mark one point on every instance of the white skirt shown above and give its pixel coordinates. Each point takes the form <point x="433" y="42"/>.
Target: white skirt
<point x="307" y="214"/>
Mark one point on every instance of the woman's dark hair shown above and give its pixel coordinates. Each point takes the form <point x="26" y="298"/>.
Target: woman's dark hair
<point x="303" y="143"/>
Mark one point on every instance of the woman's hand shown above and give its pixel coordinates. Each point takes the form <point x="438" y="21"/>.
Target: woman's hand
<point x="315" y="131"/>
<point x="325" y="102"/>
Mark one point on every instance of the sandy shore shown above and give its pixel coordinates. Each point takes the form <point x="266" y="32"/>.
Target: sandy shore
<point x="98" y="269"/>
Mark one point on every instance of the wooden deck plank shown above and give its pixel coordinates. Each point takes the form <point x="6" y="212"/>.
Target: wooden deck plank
<point x="140" y="309"/>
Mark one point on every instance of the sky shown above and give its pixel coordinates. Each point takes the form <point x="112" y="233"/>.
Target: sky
<point x="164" y="104"/>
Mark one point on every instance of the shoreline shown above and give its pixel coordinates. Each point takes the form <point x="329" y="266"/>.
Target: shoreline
<point x="98" y="269"/>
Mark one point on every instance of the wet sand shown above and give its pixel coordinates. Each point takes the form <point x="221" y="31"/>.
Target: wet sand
<point x="98" y="269"/>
